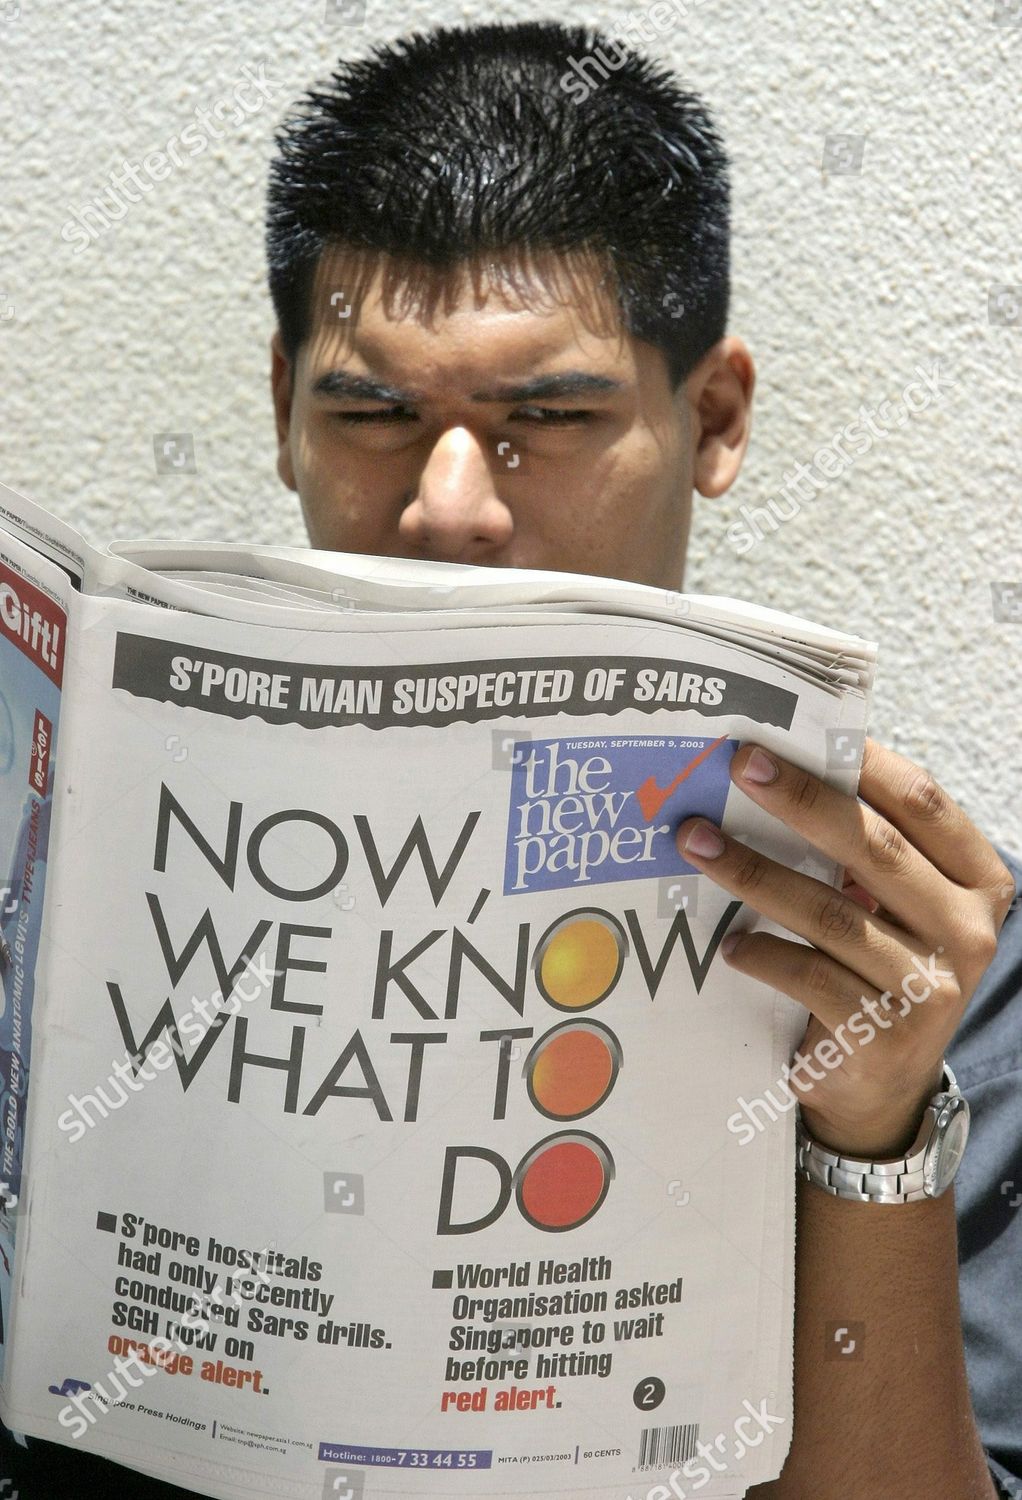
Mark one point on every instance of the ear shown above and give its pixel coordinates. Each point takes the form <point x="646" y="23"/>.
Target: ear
<point x="282" y="387"/>
<point x="720" y="391"/>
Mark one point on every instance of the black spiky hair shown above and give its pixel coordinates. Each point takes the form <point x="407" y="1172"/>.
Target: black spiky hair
<point x="498" y="144"/>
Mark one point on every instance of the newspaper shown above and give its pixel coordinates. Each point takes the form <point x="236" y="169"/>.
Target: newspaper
<point x="371" y="1080"/>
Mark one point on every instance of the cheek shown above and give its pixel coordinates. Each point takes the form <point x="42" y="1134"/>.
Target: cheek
<point x="628" y="492"/>
<point x="337" y="494"/>
<point x="628" y="514"/>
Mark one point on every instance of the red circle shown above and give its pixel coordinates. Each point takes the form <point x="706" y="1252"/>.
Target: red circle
<point x="562" y="1186"/>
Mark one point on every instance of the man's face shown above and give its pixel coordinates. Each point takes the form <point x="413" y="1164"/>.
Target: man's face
<point x="472" y="445"/>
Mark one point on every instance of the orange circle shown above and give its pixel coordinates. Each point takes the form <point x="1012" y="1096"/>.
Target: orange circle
<point x="580" y="963"/>
<point x="572" y="1074"/>
<point x="562" y="1186"/>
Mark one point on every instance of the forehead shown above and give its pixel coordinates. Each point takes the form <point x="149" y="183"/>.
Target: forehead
<point x="454" y="327"/>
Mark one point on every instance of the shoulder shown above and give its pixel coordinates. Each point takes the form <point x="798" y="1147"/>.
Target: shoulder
<point x="986" y="1055"/>
<point x="988" y="1043"/>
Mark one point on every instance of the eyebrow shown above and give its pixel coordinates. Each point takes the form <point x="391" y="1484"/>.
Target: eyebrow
<point x="568" y="383"/>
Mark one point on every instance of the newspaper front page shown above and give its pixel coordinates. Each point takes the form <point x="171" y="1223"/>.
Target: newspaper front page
<point x="389" y="1130"/>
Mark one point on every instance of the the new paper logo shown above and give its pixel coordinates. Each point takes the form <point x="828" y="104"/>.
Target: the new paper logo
<point x="591" y="810"/>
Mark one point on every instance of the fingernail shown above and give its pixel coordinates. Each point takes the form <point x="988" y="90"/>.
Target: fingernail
<point x="705" y="841"/>
<point x="760" y="768"/>
<point x="861" y="897"/>
<point x="730" y="943"/>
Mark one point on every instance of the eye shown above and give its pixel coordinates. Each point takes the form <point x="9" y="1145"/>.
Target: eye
<point x="551" y="415"/>
<point x="388" y="414"/>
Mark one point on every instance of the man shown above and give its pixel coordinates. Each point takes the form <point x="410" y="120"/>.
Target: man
<point x="502" y="302"/>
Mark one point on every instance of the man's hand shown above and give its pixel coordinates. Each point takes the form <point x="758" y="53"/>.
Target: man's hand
<point x="940" y="894"/>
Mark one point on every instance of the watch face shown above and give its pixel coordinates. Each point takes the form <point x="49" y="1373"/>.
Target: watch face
<point x="949" y="1148"/>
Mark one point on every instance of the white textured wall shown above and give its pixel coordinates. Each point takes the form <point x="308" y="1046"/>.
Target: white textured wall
<point x="844" y="282"/>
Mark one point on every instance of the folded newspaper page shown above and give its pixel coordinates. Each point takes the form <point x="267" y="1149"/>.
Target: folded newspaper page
<point x="377" y="1108"/>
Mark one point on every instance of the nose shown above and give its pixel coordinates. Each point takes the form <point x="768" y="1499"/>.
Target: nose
<point x="455" y="514"/>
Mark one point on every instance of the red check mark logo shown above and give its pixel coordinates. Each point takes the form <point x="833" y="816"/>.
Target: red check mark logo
<point x="652" y="797"/>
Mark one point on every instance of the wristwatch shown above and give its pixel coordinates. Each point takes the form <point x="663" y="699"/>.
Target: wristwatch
<point x="925" y="1172"/>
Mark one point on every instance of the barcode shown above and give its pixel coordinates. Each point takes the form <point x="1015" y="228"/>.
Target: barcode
<point x="668" y="1445"/>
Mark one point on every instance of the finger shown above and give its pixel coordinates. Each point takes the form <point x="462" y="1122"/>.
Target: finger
<point x="876" y="853"/>
<point x="907" y="795"/>
<point x="859" y="893"/>
<point x="826" y="987"/>
<point x="851" y="1016"/>
<point x="868" y="944"/>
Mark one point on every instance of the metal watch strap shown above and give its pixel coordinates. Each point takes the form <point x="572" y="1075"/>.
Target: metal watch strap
<point x="899" y="1181"/>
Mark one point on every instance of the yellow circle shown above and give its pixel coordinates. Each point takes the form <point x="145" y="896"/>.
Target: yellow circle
<point x="580" y="963"/>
